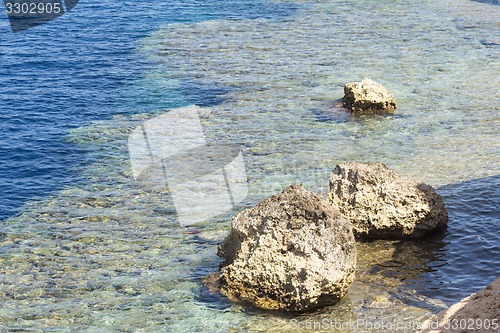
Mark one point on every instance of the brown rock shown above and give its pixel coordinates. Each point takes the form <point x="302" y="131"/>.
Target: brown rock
<point x="368" y="96"/>
<point x="382" y="204"/>
<point x="291" y="252"/>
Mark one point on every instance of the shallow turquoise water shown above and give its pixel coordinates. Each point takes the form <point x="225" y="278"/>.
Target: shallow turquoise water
<point x="107" y="255"/>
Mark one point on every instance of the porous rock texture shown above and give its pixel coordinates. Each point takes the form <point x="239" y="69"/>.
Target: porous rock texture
<point x="368" y="96"/>
<point x="290" y="252"/>
<point x="382" y="204"/>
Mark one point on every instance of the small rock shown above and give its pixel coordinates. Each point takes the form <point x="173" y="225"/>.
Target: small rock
<point x="192" y="230"/>
<point x="291" y="252"/>
<point x="382" y="204"/>
<point x="368" y="96"/>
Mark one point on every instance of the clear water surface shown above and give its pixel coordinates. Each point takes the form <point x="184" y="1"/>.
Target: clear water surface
<point x="83" y="248"/>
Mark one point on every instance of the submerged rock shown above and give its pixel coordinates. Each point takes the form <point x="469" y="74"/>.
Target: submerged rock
<point x="368" y="96"/>
<point x="382" y="204"/>
<point x="291" y="252"/>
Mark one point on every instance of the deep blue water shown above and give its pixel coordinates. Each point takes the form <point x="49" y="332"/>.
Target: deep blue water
<point x="83" y="67"/>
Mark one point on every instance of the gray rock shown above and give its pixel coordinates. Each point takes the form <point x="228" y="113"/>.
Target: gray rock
<point x="291" y="252"/>
<point x="368" y="96"/>
<point x="382" y="204"/>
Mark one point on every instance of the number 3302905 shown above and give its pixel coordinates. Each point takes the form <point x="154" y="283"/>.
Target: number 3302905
<point x="33" y="8"/>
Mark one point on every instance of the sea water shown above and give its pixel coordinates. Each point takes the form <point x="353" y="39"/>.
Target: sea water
<point x="97" y="252"/>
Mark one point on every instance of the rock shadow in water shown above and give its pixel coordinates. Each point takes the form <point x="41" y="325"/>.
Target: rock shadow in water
<point x="334" y="111"/>
<point x="447" y="266"/>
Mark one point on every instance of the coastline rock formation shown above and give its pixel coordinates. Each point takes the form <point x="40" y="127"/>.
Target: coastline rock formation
<point x="478" y="312"/>
<point x="290" y="252"/>
<point x="382" y="204"/>
<point x="368" y="96"/>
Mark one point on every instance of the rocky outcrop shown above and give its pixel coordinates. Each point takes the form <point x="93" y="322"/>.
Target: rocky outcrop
<point x="368" y="96"/>
<point x="291" y="252"/>
<point x="382" y="204"/>
<point x="476" y="313"/>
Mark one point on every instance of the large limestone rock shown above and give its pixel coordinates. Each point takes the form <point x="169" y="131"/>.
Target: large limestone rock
<point x="382" y="204"/>
<point x="368" y="96"/>
<point x="291" y="252"/>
